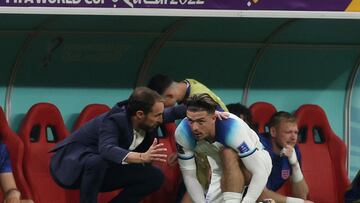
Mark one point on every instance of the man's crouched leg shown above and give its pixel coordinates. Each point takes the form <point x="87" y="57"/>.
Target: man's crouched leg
<point x="137" y="181"/>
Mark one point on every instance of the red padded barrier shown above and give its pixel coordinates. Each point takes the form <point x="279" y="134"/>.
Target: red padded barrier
<point x="261" y="113"/>
<point x="36" y="156"/>
<point x="168" y="192"/>
<point x="323" y="164"/>
<point x="88" y="113"/>
<point x="16" y="150"/>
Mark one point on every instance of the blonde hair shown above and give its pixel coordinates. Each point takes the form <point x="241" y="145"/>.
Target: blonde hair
<point x="281" y="116"/>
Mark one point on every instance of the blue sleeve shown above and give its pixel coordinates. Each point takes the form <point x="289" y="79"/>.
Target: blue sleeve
<point x="5" y="165"/>
<point x="218" y="108"/>
<point x="109" y="142"/>
<point x="174" y="113"/>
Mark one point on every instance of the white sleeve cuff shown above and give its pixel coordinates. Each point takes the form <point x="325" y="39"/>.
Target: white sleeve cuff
<point x="124" y="162"/>
<point x="294" y="200"/>
<point x="297" y="175"/>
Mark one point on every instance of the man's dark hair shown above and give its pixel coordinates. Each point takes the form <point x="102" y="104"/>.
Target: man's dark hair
<point x="201" y="102"/>
<point x="159" y="83"/>
<point x="239" y="109"/>
<point x="142" y="99"/>
<point x="281" y="116"/>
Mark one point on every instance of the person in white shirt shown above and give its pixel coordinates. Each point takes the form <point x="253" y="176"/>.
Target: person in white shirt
<point x="220" y="140"/>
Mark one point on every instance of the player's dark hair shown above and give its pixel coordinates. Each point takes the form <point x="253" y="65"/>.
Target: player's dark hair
<point x="159" y="83"/>
<point x="201" y="102"/>
<point x="240" y="111"/>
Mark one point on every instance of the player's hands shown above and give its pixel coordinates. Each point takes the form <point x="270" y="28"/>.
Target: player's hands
<point x="289" y="152"/>
<point x="172" y="159"/>
<point x="308" y="201"/>
<point x="154" y="153"/>
<point x="222" y="115"/>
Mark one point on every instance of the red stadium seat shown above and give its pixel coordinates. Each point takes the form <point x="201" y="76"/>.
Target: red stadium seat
<point x="261" y="113"/>
<point x="323" y="156"/>
<point x="41" y="128"/>
<point x="16" y="151"/>
<point x="90" y="112"/>
<point x="168" y="192"/>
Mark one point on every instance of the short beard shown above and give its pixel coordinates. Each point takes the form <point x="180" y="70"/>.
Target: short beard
<point x="146" y="128"/>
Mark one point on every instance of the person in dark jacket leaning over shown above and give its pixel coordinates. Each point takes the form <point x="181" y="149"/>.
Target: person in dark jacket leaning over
<point x="115" y="150"/>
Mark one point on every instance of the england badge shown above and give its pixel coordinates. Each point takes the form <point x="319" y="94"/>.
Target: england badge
<point x="285" y="173"/>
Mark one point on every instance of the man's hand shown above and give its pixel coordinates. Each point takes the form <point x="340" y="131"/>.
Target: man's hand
<point x="154" y="153"/>
<point x="289" y="152"/>
<point x="222" y="115"/>
<point x="308" y="201"/>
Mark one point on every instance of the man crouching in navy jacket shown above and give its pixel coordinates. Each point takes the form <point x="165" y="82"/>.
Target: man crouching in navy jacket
<point x="115" y="150"/>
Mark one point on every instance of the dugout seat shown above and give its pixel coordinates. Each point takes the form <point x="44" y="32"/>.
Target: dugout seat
<point x="323" y="156"/>
<point x="90" y="112"/>
<point x="41" y="128"/>
<point x="16" y="151"/>
<point x="261" y="113"/>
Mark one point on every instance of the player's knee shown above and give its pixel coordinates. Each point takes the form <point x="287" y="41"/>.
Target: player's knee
<point x="229" y="159"/>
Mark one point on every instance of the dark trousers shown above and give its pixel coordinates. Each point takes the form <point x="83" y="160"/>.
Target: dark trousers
<point x="137" y="180"/>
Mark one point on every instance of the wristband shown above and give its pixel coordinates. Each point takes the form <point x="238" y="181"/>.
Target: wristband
<point x="248" y="200"/>
<point x="294" y="200"/>
<point x="297" y="175"/>
<point x="293" y="159"/>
